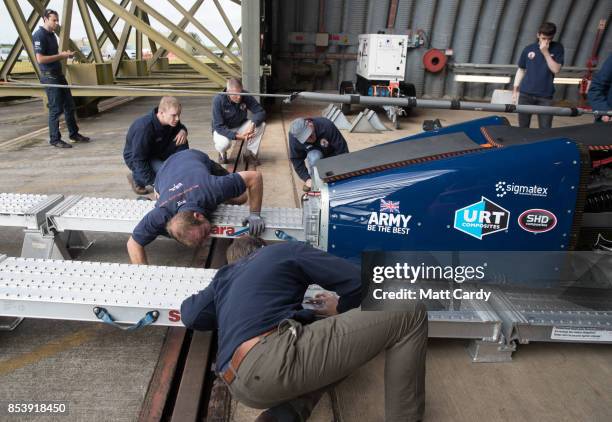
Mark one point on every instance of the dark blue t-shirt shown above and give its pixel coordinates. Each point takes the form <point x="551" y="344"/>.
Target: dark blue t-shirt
<point x="45" y="43"/>
<point x="256" y="293"/>
<point x="185" y="183"/>
<point x="538" y="79"/>
<point x="324" y="129"/>
<point x="148" y="139"/>
<point x="600" y="92"/>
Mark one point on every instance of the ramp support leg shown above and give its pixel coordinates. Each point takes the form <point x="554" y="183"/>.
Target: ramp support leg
<point x="490" y="352"/>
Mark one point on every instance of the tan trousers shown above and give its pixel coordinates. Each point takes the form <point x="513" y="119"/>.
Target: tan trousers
<point x="299" y="359"/>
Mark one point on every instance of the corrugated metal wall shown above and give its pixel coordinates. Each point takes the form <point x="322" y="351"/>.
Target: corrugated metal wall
<point x="478" y="31"/>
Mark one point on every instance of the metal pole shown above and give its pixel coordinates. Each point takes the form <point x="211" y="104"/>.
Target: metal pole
<point x="108" y="27"/>
<point x="250" y="50"/>
<point x="139" y="36"/>
<point x="413" y="102"/>
<point x="123" y="40"/>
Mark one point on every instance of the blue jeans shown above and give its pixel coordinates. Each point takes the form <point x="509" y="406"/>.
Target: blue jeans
<point x="60" y="101"/>
<point x="312" y="157"/>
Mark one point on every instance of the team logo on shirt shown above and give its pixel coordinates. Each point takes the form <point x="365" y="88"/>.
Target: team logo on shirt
<point x="531" y="55"/>
<point x="324" y="142"/>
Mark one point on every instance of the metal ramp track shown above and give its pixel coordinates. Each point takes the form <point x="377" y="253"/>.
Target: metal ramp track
<point x="25" y="210"/>
<point x="56" y="289"/>
<point x="78" y="213"/>
<point x="556" y="315"/>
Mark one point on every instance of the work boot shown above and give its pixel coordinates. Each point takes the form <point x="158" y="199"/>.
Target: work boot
<point x="281" y="413"/>
<point x="60" y="144"/>
<point x="138" y="190"/>
<point x="78" y="138"/>
<point x="222" y="158"/>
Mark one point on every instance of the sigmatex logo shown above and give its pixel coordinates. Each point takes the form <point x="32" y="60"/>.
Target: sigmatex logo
<point x="389" y="219"/>
<point x="481" y="218"/>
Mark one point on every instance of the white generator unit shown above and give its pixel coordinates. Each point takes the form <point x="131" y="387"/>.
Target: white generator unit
<point x="382" y="56"/>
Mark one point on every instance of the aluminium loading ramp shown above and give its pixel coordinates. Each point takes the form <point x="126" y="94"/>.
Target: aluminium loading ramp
<point x="70" y="290"/>
<point x="111" y="215"/>
<point x="54" y="225"/>
<point x="25" y="210"/>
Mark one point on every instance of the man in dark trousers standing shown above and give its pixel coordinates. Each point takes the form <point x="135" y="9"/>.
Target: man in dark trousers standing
<point x="189" y="186"/>
<point x="534" y="81"/>
<point x="230" y="121"/>
<point x="600" y="91"/>
<point x="274" y="354"/>
<point x="311" y="139"/>
<point x="59" y="99"/>
<point x="150" y="140"/>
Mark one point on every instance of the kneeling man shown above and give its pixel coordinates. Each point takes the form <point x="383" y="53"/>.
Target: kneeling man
<point x="189" y="187"/>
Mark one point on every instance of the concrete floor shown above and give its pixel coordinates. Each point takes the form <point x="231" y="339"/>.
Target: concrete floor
<point x="103" y="374"/>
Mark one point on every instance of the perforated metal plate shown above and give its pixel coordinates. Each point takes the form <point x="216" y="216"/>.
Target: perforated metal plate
<point x="25" y="210"/>
<point x="122" y="215"/>
<point x="71" y="289"/>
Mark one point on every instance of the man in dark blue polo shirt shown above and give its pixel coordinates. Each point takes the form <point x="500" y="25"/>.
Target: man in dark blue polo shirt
<point x="600" y="91"/>
<point x="230" y="122"/>
<point x="189" y="186"/>
<point x="534" y="81"/>
<point x="59" y="99"/>
<point x="150" y="140"/>
<point x="312" y="139"/>
<point x="274" y="354"/>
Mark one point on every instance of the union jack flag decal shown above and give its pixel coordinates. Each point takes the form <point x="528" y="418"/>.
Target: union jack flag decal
<point x="390" y="206"/>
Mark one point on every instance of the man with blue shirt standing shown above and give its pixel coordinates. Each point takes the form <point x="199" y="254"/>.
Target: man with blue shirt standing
<point x="59" y="99"/>
<point x="600" y="91"/>
<point x="230" y="122"/>
<point x="275" y="354"/>
<point x="310" y="140"/>
<point x="534" y="81"/>
<point x="150" y="140"/>
<point x="189" y="186"/>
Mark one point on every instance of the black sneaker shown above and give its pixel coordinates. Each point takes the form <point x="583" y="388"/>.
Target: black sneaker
<point x="60" y="144"/>
<point x="79" y="138"/>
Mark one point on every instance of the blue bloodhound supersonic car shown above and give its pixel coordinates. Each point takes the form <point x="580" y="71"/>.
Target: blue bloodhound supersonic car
<point x="474" y="186"/>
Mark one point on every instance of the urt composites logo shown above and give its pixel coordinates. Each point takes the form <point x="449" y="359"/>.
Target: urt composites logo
<point x="481" y="218"/>
<point x="537" y="221"/>
<point x="503" y="188"/>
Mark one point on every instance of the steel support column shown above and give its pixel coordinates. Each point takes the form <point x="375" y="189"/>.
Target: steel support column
<point x="160" y="39"/>
<point x="188" y="39"/>
<point x="206" y="32"/>
<point x="11" y="59"/>
<point x="229" y="24"/>
<point x="91" y="33"/>
<point x="123" y="40"/>
<point x="152" y="44"/>
<point x="23" y="30"/>
<point x="250" y="50"/>
<point x="108" y="33"/>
